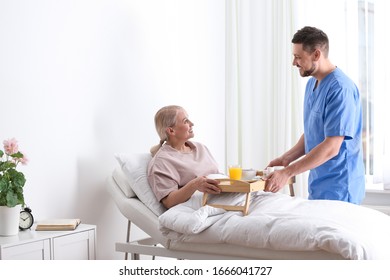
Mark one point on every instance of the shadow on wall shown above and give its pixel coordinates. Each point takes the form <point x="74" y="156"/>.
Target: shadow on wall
<point x="95" y="206"/>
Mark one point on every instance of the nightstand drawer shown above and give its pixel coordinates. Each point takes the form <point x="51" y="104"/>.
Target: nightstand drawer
<point x="77" y="246"/>
<point x="38" y="250"/>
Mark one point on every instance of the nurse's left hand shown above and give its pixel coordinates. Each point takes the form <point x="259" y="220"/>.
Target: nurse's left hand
<point x="276" y="180"/>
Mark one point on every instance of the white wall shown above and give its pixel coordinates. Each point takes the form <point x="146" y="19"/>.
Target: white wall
<point x="81" y="80"/>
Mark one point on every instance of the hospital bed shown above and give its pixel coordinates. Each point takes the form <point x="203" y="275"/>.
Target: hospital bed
<point x="129" y="189"/>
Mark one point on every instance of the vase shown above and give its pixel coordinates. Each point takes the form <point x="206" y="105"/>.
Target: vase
<point x="9" y="220"/>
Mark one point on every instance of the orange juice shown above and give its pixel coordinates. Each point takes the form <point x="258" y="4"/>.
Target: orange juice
<point x="235" y="172"/>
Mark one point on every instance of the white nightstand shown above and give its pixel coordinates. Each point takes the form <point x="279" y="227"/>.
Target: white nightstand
<point x="78" y="244"/>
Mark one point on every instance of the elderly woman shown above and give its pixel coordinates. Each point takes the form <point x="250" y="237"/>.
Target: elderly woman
<point x="179" y="166"/>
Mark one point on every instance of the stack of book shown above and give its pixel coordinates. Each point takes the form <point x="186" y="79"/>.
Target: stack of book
<point x="58" y="224"/>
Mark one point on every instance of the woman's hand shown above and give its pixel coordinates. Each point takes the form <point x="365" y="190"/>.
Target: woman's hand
<point x="205" y="185"/>
<point x="182" y="194"/>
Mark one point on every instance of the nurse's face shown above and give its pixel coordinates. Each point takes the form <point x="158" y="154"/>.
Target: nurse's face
<point x="305" y="61"/>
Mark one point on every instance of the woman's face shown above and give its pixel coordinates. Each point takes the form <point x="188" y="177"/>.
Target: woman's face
<point x="182" y="130"/>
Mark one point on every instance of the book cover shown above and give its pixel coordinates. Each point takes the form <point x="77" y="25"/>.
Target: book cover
<point x="58" y="224"/>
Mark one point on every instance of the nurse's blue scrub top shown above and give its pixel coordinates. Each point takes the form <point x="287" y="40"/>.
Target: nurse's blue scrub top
<point x="334" y="109"/>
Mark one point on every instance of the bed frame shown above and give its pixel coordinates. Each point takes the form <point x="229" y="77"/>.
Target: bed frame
<point x="157" y="245"/>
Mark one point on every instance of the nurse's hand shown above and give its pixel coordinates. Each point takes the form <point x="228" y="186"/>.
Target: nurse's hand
<point x="280" y="161"/>
<point x="276" y="181"/>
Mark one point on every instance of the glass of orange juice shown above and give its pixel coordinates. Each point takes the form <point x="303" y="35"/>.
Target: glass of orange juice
<point x="235" y="172"/>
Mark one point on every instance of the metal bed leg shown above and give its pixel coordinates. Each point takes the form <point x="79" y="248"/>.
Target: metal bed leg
<point x="128" y="238"/>
<point x="292" y="193"/>
<point x="134" y="256"/>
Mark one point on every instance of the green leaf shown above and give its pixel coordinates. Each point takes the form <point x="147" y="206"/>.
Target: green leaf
<point x="3" y="184"/>
<point x="20" y="196"/>
<point x="17" y="178"/>
<point x="1" y="153"/>
<point x="6" y="165"/>
<point x="12" y="199"/>
<point x="17" y="155"/>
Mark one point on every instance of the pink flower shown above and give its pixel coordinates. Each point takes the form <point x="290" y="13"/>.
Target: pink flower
<point x="11" y="146"/>
<point x="23" y="160"/>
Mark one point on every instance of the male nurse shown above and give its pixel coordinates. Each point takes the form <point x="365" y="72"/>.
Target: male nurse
<point x="331" y="145"/>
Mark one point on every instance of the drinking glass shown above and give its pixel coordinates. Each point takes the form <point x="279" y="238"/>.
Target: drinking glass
<point x="235" y="172"/>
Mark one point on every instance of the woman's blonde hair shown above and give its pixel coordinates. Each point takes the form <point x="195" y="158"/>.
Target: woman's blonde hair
<point x="164" y="118"/>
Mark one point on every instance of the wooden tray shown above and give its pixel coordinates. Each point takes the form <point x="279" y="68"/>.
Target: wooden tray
<point x="228" y="185"/>
<point x="240" y="186"/>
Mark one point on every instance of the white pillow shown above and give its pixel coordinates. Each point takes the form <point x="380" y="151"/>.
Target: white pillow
<point x="135" y="168"/>
<point x="121" y="180"/>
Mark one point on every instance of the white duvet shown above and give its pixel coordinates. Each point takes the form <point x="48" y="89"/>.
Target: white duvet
<point x="280" y="222"/>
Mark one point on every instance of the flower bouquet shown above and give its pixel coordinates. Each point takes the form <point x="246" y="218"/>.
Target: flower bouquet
<point x="11" y="180"/>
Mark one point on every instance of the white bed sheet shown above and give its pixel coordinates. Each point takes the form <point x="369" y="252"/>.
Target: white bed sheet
<point x="281" y="222"/>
